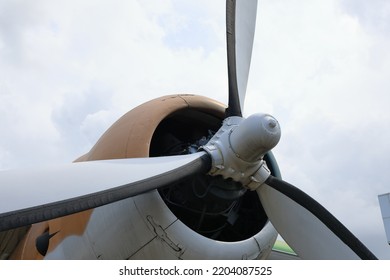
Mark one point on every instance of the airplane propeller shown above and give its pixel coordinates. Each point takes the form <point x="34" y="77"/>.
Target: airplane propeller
<point x="60" y="190"/>
<point x="236" y="152"/>
<point x="240" y="31"/>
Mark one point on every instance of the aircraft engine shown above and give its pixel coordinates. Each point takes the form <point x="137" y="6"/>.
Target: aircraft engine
<point x="205" y="209"/>
<point x="198" y="217"/>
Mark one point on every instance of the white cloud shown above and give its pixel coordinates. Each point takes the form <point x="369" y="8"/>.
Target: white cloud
<point x="323" y="73"/>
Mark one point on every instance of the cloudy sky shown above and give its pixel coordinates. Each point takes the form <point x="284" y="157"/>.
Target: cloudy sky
<point x="69" y="69"/>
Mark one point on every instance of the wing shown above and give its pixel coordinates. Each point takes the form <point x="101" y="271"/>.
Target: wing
<point x="384" y="202"/>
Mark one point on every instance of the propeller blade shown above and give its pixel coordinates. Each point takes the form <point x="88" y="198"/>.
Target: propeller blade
<point x="36" y="195"/>
<point x="310" y="230"/>
<point x="240" y="30"/>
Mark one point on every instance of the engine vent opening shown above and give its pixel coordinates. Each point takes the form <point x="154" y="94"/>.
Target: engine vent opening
<point x="212" y="206"/>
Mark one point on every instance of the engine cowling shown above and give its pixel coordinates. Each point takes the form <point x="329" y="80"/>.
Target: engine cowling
<point x="200" y="217"/>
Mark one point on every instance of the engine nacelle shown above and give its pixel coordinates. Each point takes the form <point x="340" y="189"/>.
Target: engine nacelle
<point x="206" y="217"/>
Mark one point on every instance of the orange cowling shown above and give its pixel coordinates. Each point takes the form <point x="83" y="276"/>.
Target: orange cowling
<point x="131" y="135"/>
<point x="128" y="137"/>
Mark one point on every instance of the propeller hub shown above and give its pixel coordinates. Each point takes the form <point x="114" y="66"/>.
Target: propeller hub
<point x="255" y="136"/>
<point x="238" y="148"/>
